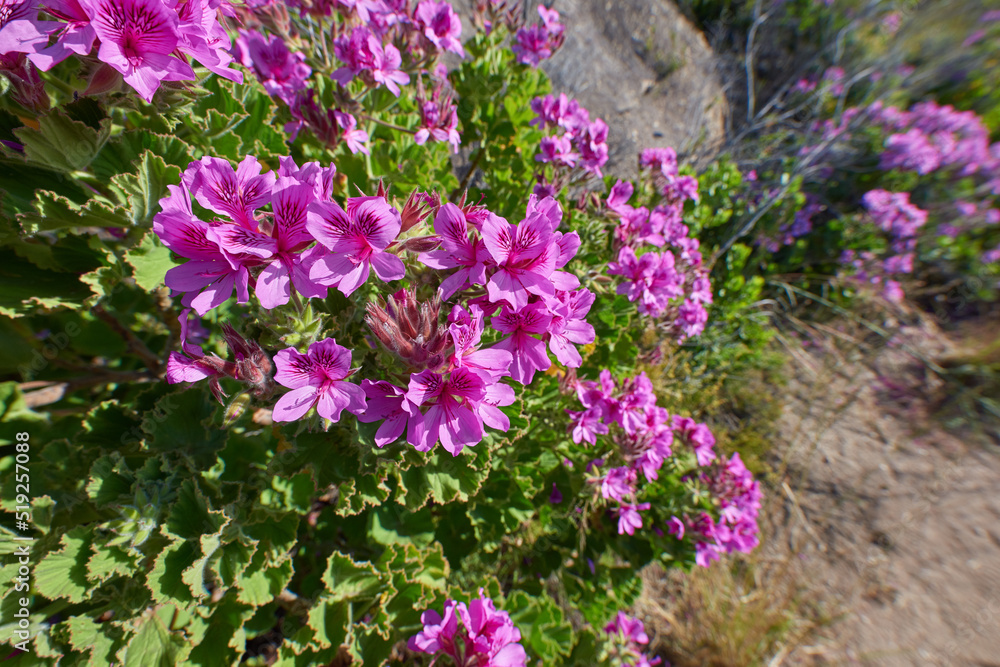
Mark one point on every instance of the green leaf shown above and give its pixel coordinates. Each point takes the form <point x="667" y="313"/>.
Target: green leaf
<point x="62" y="143"/>
<point x="108" y="562"/>
<point x="63" y="573"/>
<point x="143" y="189"/>
<point x="53" y="212"/>
<point x="346" y="579"/>
<point x="25" y="287"/>
<point x="545" y="632"/>
<point x="183" y="421"/>
<point x="150" y="261"/>
<point x="154" y="645"/>
<point x="329" y="622"/>
<point x="166" y="579"/>
<point x="88" y="636"/>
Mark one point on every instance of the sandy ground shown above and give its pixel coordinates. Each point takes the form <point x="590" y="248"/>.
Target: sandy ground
<point x="895" y="520"/>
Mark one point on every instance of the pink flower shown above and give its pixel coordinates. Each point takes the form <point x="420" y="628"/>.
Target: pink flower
<point x="569" y="326"/>
<point x="388" y="402"/>
<point x="587" y="425"/>
<point x="438" y="121"/>
<point x="354" y="137"/>
<point x="438" y="633"/>
<point x="452" y="416"/>
<point x="282" y="72"/>
<point x="525" y="255"/>
<point x="464" y="254"/>
<point x="557" y="149"/>
<point x="210" y="275"/>
<point x="440" y="24"/>
<point x="486" y="638"/>
<point x="317" y="378"/>
<point x="20" y="29"/>
<point x="137" y="39"/>
<point x="357" y="239"/>
<point x="629" y="518"/>
<point x="538" y="42"/>
<point x="528" y="352"/>
<point x="618" y="484"/>
<point x="385" y="67"/>
<point x="237" y="194"/>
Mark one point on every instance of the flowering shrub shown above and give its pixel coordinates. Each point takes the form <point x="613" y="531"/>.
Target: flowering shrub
<point x="297" y="246"/>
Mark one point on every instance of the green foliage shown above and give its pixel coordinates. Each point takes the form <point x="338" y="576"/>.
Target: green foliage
<point x="170" y="531"/>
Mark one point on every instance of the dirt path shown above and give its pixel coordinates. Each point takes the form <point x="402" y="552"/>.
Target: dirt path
<point x="904" y="527"/>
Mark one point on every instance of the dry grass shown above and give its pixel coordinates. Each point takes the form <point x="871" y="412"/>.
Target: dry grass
<point x="742" y="612"/>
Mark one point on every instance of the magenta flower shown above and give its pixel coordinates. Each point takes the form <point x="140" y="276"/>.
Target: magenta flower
<point x="493" y="636"/>
<point x="486" y="637"/>
<point x="587" y="425"/>
<point x="569" y="326"/>
<point x="354" y="137"/>
<point x="20" y="29"/>
<point x="73" y="34"/>
<point x="466" y="330"/>
<point x="290" y="200"/>
<point x="618" y="483"/>
<point x="438" y="633"/>
<point x="317" y="378"/>
<point x="539" y="41"/>
<point x="357" y="239"/>
<point x="282" y="72"/>
<point x="440" y="25"/>
<point x="691" y="319"/>
<point x="558" y="150"/>
<point x="629" y="518"/>
<point x="628" y="628"/>
<point x="388" y="402"/>
<point x="438" y="120"/>
<point x="525" y="255"/>
<point x="527" y="351"/>
<point x="208" y="278"/>
<point x="385" y="66"/>
<point x="237" y="194"/>
<point x="452" y="417"/>
<point x="464" y="254"/>
<point x="201" y="36"/>
<point x="137" y="39"/>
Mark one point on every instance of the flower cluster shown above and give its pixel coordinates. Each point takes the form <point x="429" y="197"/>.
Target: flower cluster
<point x="578" y="147"/>
<point x="739" y="498"/>
<point x="454" y="383"/>
<point x="627" y="636"/>
<point x="645" y="438"/>
<point x="249" y="247"/>
<point x="146" y="42"/>
<point x="535" y="43"/>
<point x="666" y="285"/>
<point x="282" y="71"/>
<point x="279" y="235"/>
<point x="928" y="137"/>
<point x="380" y="44"/>
<point x="893" y="213"/>
<point x="473" y="635"/>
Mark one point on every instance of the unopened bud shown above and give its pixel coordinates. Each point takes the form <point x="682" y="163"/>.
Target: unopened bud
<point x="104" y="79"/>
<point x="417" y="207"/>
<point x="420" y="244"/>
<point x="235" y="409"/>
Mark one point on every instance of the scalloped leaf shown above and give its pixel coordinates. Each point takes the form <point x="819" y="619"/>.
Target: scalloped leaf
<point x="63" y="573"/>
<point x="62" y="143"/>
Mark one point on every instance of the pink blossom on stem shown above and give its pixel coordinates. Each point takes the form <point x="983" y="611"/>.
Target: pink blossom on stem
<point x="357" y="239"/>
<point x="317" y="378"/>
